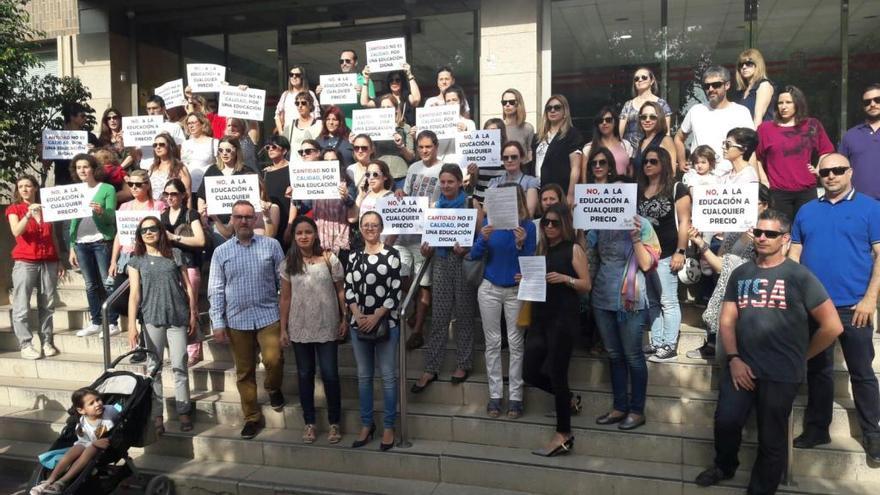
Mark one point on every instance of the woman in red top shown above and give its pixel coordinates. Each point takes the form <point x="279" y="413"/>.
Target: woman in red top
<point x="36" y="267"/>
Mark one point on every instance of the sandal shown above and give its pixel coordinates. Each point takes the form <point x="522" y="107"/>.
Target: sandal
<point x="334" y="435"/>
<point x="576" y="406"/>
<point x="160" y="426"/>
<point x="56" y="488"/>
<point x="186" y="423"/>
<point x="493" y="408"/>
<point x="309" y="434"/>
<point x="514" y="409"/>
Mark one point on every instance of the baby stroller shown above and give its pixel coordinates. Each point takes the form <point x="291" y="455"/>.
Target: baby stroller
<point x="131" y="393"/>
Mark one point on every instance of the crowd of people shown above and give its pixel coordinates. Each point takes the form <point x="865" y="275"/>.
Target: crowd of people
<point x="308" y="274"/>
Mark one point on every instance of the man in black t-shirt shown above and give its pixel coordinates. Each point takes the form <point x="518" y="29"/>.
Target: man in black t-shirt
<point x="764" y="327"/>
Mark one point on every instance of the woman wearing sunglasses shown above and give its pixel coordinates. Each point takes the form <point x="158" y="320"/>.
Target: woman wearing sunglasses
<point x="161" y="292"/>
<point x="247" y="139"/>
<point x="606" y="134"/>
<point x="306" y="125"/>
<point x="229" y="162"/>
<point x="558" y="149"/>
<point x="335" y="135"/>
<point x="513" y="112"/>
<point x="601" y="167"/>
<point x="334" y="217"/>
<point x="363" y="153"/>
<point x="753" y="90"/>
<point x="652" y="122"/>
<point x="286" y="111"/>
<point x="398" y="152"/>
<point x="401" y="85"/>
<point x="199" y="151"/>
<point x="276" y="177"/>
<point x="166" y="165"/>
<point x="512" y="156"/>
<point x="644" y="89"/>
<point x="138" y="182"/>
<point x="111" y="136"/>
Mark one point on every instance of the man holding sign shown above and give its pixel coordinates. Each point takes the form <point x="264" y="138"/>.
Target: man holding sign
<point x="348" y="63"/>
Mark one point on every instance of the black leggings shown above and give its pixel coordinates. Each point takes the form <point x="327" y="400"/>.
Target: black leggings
<point x="789" y="202"/>
<point x="545" y="364"/>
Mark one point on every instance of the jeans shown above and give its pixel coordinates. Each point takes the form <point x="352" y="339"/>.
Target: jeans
<point x="545" y="365"/>
<point x="665" y="313"/>
<point x="368" y="354"/>
<point x="305" y="370"/>
<point x="789" y="202"/>
<point x="773" y="402"/>
<point x="94" y="263"/>
<point x="858" y="352"/>
<point x="28" y="276"/>
<point x="494" y="300"/>
<point x="244" y="344"/>
<point x="622" y="335"/>
<point x="156" y="338"/>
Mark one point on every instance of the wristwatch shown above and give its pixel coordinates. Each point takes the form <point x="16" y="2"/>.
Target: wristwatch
<point x="679" y="251"/>
<point x="731" y="356"/>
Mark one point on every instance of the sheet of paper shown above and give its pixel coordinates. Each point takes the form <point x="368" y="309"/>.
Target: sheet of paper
<point x="141" y="130"/>
<point x="314" y="180"/>
<point x="222" y="192"/>
<point x="443" y="120"/>
<point x="446" y="226"/>
<point x="172" y="93"/>
<point x="249" y="104"/>
<point x="205" y="78"/>
<point x="502" y="207"/>
<point x="378" y="123"/>
<point x="402" y="216"/>
<point x="339" y="89"/>
<point x="480" y="147"/>
<point x="386" y="55"/>
<point x="728" y="208"/>
<point x="533" y="286"/>
<point x="64" y="145"/>
<point x="66" y="202"/>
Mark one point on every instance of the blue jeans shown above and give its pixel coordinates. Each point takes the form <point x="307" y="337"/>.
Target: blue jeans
<point x="305" y="370"/>
<point x="367" y="353"/>
<point x="665" y="312"/>
<point x="622" y="334"/>
<point x="94" y="263"/>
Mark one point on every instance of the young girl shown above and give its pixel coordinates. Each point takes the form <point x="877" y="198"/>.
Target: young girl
<point x="702" y="166"/>
<point x="95" y="421"/>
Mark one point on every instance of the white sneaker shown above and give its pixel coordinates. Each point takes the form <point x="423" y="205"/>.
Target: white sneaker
<point x="89" y="330"/>
<point x="38" y="490"/>
<point x="28" y="352"/>
<point x="114" y="330"/>
<point x="49" y="350"/>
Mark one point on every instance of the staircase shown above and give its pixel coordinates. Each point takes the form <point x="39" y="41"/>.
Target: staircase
<point x="456" y="448"/>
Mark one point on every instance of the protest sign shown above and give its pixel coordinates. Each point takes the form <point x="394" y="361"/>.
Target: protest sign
<point x="604" y="206"/>
<point x="249" y="104"/>
<point x="533" y="285"/>
<point x="378" y="123"/>
<point x="446" y="226"/>
<point x="171" y="93"/>
<point x="443" y="120"/>
<point x="339" y="89"/>
<point x="222" y="192"/>
<point x="386" y="55"/>
<point x="66" y="202"/>
<point x="127" y="222"/>
<point x="205" y="78"/>
<point x="141" y="130"/>
<point x="502" y="208"/>
<point x="64" y="145"/>
<point x="728" y="208"/>
<point x="480" y="147"/>
<point x="402" y="216"/>
<point x="314" y="180"/>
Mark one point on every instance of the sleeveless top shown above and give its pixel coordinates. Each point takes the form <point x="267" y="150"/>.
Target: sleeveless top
<point x="750" y="100"/>
<point x="639" y="153"/>
<point x="562" y="300"/>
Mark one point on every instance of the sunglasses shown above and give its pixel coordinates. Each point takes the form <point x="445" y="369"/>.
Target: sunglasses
<point x="361" y="148"/>
<point x="159" y="145"/>
<point x="510" y="158"/>
<point x="345" y="61"/>
<point x="647" y="116"/>
<point x="641" y="78"/>
<point x="372" y="175"/>
<point x="727" y="145"/>
<point x="838" y="171"/>
<point x="599" y="163"/>
<point x="271" y="147"/>
<point x="508" y="102"/>
<point x="296" y="74"/>
<point x="553" y="108"/>
<point x="152" y="229"/>
<point x="605" y="120"/>
<point x="549" y="222"/>
<point x="713" y="85"/>
<point x="113" y="117"/>
<point x="652" y="161"/>
<point x="395" y="80"/>
<point x="307" y="151"/>
<point x="746" y="63"/>
<point x="134" y="185"/>
<point x="769" y="234"/>
<point x="172" y="194"/>
<point x="867" y="101"/>
<point x="224" y="151"/>
<point x="301" y="103"/>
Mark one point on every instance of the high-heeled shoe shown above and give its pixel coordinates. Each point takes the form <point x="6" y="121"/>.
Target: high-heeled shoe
<point x="564" y="448"/>
<point x="416" y="388"/>
<point x="387" y="446"/>
<point x="360" y="443"/>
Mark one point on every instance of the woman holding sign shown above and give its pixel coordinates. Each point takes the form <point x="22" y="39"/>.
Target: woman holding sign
<point x="199" y="150"/>
<point x="550" y="339"/>
<point x="111" y="137"/>
<point x="334" y="217"/>
<point x="35" y="267"/>
<point x="166" y="165"/>
<point x="229" y="162"/>
<point x="512" y="156"/>
<point x="453" y="298"/>
<point x="287" y="110"/>
<point x="397" y="153"/>
<point x="335" y="135"/>
<point x="305" y="125"/>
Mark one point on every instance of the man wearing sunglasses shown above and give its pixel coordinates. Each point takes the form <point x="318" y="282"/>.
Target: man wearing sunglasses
<point x="846" y="223"/>
<point x="348" y="63"/>
<point x="156" y="106"/>
<point x="861" y="145"/>
<point x="765" y="331"/>
<point x="710" y="122"/>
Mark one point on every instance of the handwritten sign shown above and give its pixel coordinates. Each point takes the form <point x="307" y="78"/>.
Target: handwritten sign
<point x="64" y="145"/>
<point x="339" y="89"/>
<point x="402" y="216"/>
<point x="66" y="202"/>
<point x="480" y="147"/>
<point x="446" y="226"/>
<point x="205" y="78"/>
<point x="386" y="55"/>
<point x="140" y="131"/>
<point x="730" y="208"/>
<point x="249" y="104"/>
<point x="604" y="206"/>
<point x="443" y="120"/>
<point x="171" y="93"/>
<point x="378" y="123"/>
<point x="502" y="207"/>
<point x="127" y="222"/>
<point x="222" y="192"/>
<point x="314" y="180"/>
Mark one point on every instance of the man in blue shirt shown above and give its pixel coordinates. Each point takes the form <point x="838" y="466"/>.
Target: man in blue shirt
<point x="861" y="145"/>
<point x="838" y="238"/>
<point x="243" y="292"/>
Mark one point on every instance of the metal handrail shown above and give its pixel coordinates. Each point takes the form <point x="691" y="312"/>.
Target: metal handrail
<point x="403" y="441"/>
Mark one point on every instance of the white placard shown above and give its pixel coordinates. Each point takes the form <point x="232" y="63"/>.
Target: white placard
<point x="171" y="93"/>
<point x="339" y="89"/>
<point x="604" y="206"/>
<point x="205" y="78"/>
<point x="66" y="202"/>
<point x="446" y="226"/>
<point x="480" y="147"/>
<point x="140" y="131"/>
<point x="443" y="120"/>
<point x="221" y="192"/>
<point x="402" y="216"/>
<point x="314" y="180"/>
<point x="378" y="123"/>
<point x="249" y="104"/>
<point x="64" y="145"/>
<point x="386" y="55"/>
<point x="533" y="286"/>
<point x="127" y="222"/>
<point x="502" y="207"/>
<point x="728" y="208"/>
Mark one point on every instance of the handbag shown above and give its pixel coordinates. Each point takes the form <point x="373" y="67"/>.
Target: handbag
<point x="524" y="319"/>
<point x="473" y="270"/>
<point x="381" y="332"/>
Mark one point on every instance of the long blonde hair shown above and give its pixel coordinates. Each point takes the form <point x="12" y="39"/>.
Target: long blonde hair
<point x="760" y="68"/>
<point x="520" y="104"/>
<point x="239" y="156"/>
<point x="566" y="119"/>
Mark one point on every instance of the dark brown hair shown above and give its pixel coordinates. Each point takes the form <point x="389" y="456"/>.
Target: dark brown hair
<point x="97" y="169"/>
<point x="16" y="197"/>
<point x="164" y="243"/>
<point x="800" y="104"/>
<point x="295" y="263"/>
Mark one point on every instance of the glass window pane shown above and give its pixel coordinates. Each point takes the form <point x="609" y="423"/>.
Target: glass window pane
<point x="445" y="40"/>
<point x="864" y="62"/>
<point x="253" y="61"/>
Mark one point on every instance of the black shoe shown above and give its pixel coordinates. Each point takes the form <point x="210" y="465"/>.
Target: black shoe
<point x="562" y="449"/>
<point x="706" y="351"/>
<point x="416" y="388"/>
<point x="250" y="430"/>
<point x="386" y="446"/>
<point x="872" y="447"/>
<point x="631" y="424"/>
<point x="415" y="341"/>
<point x="809" y="440"/>
<point x="276" y="400"/>
<point x="138" y="358"/>
<point x="608" y="419"/>
<point x="456" y="380"/>
<point x="360" y="443"/>
<point x="712" y="476"/>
